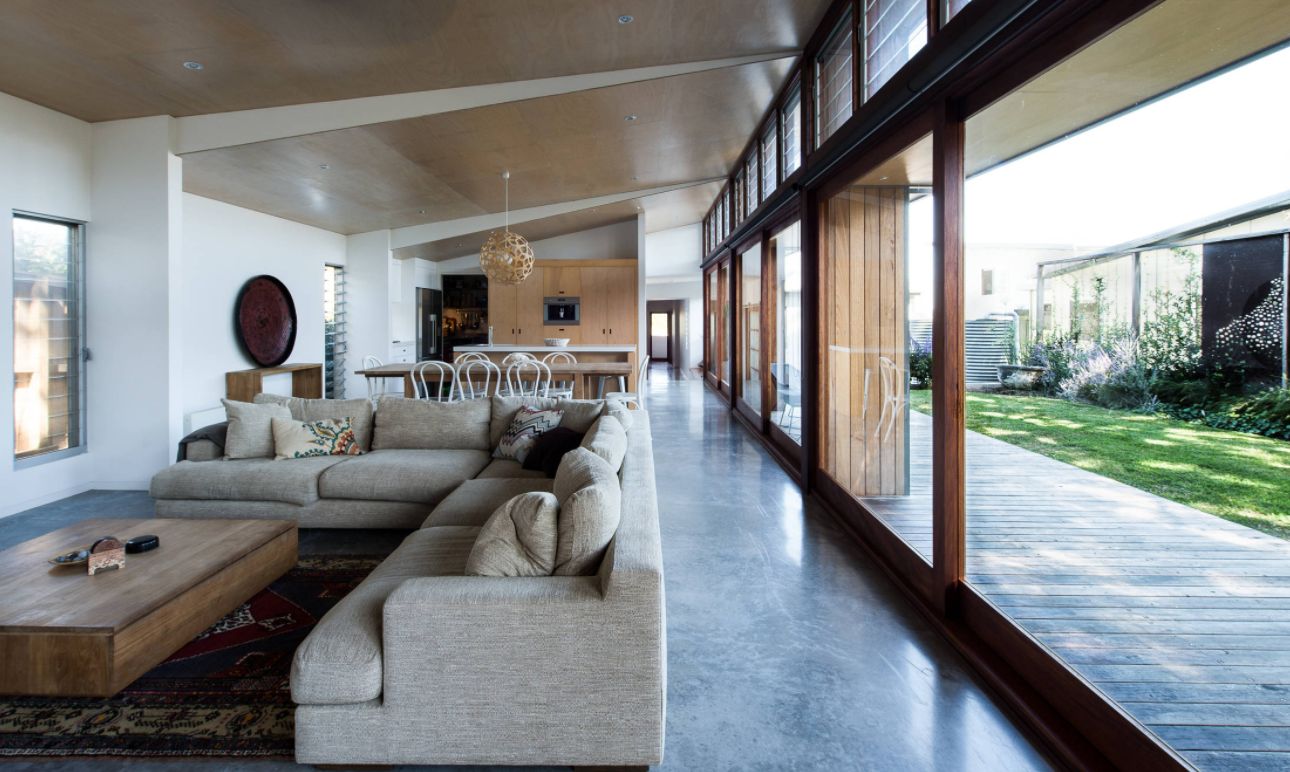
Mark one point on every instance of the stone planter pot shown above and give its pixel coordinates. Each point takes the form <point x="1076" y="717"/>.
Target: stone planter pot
<point x="1020" y="376"/>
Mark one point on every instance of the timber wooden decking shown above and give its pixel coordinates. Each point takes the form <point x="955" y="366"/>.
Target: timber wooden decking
<point x="1180" y="616"/>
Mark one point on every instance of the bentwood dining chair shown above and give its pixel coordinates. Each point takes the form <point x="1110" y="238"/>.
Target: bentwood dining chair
<point x="528" y="378"/>
<point x="637" y="397"/>
<point x="441" y="388"/>
<point x="478" y="378"/>
<point x="378" y="386"/>
<point x="562" y="389"/>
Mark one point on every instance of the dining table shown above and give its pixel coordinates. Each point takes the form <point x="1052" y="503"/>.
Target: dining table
<point x="581" y="374"/>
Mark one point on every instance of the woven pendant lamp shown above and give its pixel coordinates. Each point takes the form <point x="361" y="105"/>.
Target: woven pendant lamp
<point x="506" y="257"/>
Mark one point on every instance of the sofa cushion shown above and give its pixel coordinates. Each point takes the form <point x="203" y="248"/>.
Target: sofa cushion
<point x="549" y="449"/>
<point x="504" y="467"/>
<point x="304" y="439"/>
<point x="474" y="500"/>
<point x="618" y="410"/>
<point x="528" y="424"/>
<point x="340" y="660"/>
<point x="422" y="424"/>
<point x="424" y="476"/>
<point x="250" y="428"/>
<point x="579" y="414"/>
<point x="245" y="479"/>
<point x="359" y="411"/>
<point x="590" y="508"/>
<point x="503" y="410"/>
<point x="608" y="440"/>
<point x="518" y="539"/>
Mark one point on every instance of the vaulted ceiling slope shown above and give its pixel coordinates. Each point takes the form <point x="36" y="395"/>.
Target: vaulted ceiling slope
<point x="103" y="60"/>
<point x="559" y="148"/>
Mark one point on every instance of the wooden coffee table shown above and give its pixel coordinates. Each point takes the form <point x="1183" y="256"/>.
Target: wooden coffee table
<point x="63" y="632"/>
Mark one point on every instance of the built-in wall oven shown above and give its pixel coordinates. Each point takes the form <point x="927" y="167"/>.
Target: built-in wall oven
<point x="560" y="310"/>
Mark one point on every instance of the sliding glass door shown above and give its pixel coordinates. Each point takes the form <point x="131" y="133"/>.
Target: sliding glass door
<point x="749" y="333"/>
<point x="875" y="279"/>
<point x="784" y="374"/>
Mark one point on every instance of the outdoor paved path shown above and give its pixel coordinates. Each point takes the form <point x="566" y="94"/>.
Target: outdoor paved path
<point x="1180" y="616"/>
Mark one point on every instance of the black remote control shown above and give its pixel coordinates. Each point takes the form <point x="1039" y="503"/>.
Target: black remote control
<point x="141" y="544"/>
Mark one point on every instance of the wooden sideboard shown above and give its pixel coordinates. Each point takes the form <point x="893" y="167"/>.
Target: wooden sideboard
<point x="243" y="385"/>
<point x="606" y="290"/>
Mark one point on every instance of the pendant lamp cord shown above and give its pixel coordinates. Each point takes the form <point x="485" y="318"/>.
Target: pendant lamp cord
<point x="506" y="181"/>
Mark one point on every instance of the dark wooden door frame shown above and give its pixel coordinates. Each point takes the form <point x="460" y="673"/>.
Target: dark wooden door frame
<point x="667" y="343"/>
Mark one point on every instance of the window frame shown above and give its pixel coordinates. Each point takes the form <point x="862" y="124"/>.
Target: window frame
<point x="845" y="26"/>
<point x="82" y="397"/>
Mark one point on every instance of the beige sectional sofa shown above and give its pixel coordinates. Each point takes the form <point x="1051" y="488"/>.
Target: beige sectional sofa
<point x="422" y="664"/>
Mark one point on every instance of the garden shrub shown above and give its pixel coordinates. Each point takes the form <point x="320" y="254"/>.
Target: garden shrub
<point x="1266" y="413"/>
<point x="920" y="366"/>
<point x="1112" y="377"/>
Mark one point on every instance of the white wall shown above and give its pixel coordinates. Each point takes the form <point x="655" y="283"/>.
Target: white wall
<point x="132" y="268"/>
<point x="368" y="272"/>
<point x="672" y="259"/>
<point x="410" y="275"/>
<point x="46" y="163"/>
<point x="691" y="293"/>
<point x="223" y="246"/>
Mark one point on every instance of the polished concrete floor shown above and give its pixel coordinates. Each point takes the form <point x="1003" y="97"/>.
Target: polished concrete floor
<point x="787" y="648"/>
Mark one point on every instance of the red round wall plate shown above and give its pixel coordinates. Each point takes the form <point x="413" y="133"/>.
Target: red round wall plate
<point x="265" y="320"/>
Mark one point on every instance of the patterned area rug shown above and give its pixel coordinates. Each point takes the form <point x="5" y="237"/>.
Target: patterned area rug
<point x="226" y="693"/>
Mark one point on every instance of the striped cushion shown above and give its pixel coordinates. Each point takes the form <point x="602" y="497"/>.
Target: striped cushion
<point x="524" y="430"/>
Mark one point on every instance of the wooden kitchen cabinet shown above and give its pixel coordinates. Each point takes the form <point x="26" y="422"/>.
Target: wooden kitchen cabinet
<point x="562" y="281"/>
<point x="515" y="310"/>
<point x="607" y="296"/>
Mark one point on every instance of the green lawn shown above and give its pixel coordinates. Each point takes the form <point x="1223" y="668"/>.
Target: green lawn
<point x="1241" y="477"/>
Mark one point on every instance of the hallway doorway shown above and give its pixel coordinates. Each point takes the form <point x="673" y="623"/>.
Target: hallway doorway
<point x="660" y="336"/>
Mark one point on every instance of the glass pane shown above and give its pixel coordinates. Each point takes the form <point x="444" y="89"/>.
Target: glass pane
<point x="833" y="82"/>
<point x="894" y="30"/>
<point x="769" y="158"/>
<point x="714" y="321"/>
<point x="950" y="9"/>
<point x="793" y="133"/>
<point x="725" y="331"/>
<point x="750" y="334"/>
<point x="1128" y="502"/>
<point x="737" y="213"/>
<point x="786" y="349"/>
<point x="876" y="280"/>
<point x="46" y="337"/>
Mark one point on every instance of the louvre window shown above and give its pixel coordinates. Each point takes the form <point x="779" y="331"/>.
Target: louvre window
<point x="769" y="161"/>
<point x="48" y="313"/>
<point x="792" y="131"/>
<point x="894" y="30"/>
<point x="751" y="174"/>
<point x="833" y="79"/>
<point x="334" y="307"/>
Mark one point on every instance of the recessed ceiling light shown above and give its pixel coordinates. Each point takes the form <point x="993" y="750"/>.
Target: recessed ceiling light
<point x="193" y="65"/>
<point x="324" y="167"/>
<point x="421" y="211"/>
<point x="629" y="118"/>
<point x="625" y="19"/>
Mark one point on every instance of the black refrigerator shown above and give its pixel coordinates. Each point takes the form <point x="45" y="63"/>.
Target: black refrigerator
<point x="429" y="324"/>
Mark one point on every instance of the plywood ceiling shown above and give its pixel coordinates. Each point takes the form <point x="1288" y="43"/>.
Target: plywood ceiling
<point x="560" y="148"/>
<point x="662" y="211"/>
<point x="107" y="59"/>
<point x="1170" y="45"/>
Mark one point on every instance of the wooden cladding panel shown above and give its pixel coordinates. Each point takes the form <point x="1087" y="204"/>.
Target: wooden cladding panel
<point x="864" y="357"/>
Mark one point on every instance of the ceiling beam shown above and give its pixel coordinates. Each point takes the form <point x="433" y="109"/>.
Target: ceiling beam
<point x="413" y="235"/>
<point x="216" y="130"/>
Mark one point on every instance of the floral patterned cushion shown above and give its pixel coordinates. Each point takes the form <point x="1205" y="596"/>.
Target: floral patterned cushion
<point x="303" y="439"/>
<point x="529" y="423"/>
